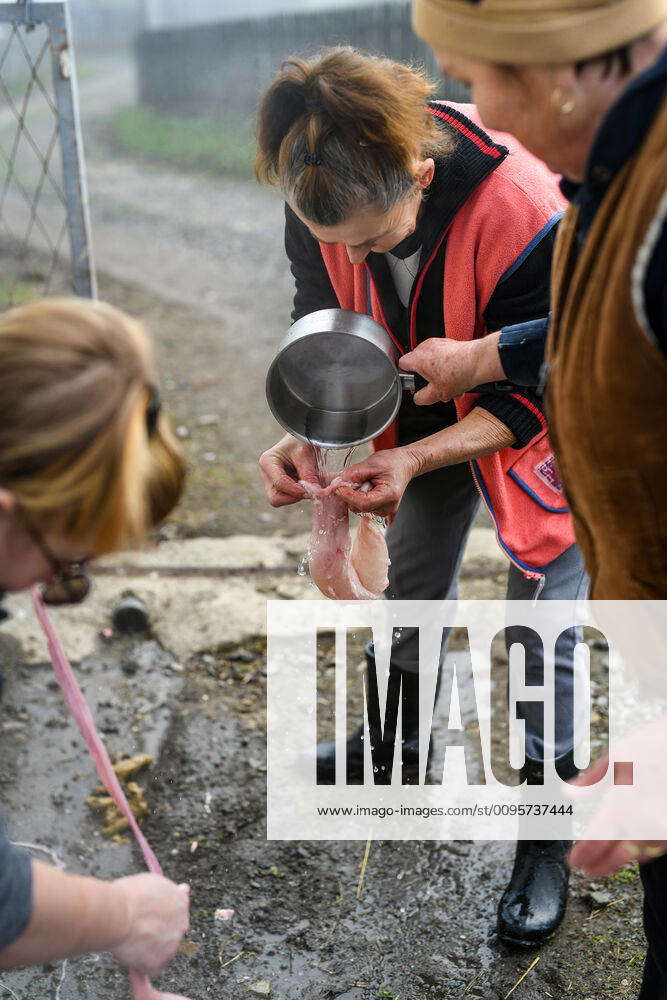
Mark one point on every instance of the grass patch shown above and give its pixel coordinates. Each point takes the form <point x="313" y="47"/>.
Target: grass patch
<point x="189" y="144"/>
<point x="630" y="874"/>
<point x="14" y="292"/>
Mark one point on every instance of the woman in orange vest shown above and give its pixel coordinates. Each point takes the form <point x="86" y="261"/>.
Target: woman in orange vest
<point x="403" y="207"/>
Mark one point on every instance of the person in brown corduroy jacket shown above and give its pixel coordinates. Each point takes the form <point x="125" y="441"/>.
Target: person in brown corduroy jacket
<point x="584" y="87"/>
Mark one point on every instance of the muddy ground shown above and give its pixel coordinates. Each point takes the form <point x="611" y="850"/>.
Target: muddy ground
<point x="423" y="925"/>
<point x="201" y="261"/>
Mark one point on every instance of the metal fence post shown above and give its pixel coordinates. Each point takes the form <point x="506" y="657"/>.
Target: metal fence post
<point x="71" y="147"/>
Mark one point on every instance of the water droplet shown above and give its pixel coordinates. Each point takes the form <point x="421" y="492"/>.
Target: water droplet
<point x="302" y="568"/>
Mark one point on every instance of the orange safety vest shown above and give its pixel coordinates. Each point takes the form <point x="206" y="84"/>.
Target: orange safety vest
<point x="490" y="234"/>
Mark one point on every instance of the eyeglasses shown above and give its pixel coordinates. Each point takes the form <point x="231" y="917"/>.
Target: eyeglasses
<point x="70" y="584"/>
<point x="153" y="411"/>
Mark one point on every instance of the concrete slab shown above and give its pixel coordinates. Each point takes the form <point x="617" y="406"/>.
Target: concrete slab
<point x="189" y="610"/>
<point x="247" y="551"/>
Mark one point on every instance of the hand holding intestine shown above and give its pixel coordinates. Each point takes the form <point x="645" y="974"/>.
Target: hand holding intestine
<point x="344" y="568"/>
<point x="387" y="474"/>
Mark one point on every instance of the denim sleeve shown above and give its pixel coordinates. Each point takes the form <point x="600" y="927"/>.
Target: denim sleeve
<point x="521" y="350"/>
<point x="15" y="889"/>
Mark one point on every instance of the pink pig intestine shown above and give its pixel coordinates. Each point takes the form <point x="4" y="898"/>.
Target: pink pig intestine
<point x="342" y="567"/>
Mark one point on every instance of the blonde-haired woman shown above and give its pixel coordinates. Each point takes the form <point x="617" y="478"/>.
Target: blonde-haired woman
<point x="88" y="465"/>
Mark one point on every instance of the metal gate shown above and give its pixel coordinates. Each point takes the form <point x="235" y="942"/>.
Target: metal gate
<point x="45" y="242"/>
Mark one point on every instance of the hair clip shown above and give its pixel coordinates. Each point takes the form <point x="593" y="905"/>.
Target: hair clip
<point x="312" y="160"/>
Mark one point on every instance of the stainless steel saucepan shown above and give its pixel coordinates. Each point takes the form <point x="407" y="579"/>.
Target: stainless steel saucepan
<point x="334" y="381"/>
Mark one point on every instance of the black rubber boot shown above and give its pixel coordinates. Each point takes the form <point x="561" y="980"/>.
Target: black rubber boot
<point x="382" y="753"/>
<point x="533" y="905"/>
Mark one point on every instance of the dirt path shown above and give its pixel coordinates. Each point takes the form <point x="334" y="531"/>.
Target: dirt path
<point x="202" y="260"/>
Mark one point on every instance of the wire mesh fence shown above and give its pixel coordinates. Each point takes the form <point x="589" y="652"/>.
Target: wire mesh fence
<point x="45" y="245"/>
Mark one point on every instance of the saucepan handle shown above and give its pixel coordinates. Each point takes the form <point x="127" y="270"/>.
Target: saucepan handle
<point x="412" y="381"/>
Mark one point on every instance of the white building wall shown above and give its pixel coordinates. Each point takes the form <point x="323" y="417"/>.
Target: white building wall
<point x="171" y="13"/>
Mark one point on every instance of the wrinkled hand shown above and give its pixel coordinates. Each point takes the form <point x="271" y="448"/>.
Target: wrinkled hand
<point x="451" y="367"/>
<point x="388" y="472"/>
<point x="157" y="919"/>
<point x="283" y="466"/>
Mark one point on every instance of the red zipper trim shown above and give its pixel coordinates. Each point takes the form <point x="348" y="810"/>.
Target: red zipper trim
<point x="468" y="133"/>
<point x="531" y="406"/>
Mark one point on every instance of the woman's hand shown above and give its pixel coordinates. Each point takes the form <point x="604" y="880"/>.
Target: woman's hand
<point x="599" y="858"/>
<point x="453" y="367"/>
<point x="157" y="919"/>
<point x="281" y="468"/>
<point x="140" y="919"/>
<point x="388" y="473"/>
<point x="596" y="857"/>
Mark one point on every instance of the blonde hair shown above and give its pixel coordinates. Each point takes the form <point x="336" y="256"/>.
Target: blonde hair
<point x="75" y="380"/>
<point x="341" y="132"/>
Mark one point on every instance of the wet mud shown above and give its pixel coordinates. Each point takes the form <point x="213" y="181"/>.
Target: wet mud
<point x="421" y="927"/>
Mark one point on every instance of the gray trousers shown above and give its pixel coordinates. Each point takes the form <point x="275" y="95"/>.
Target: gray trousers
<point x="426" y="542"/>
